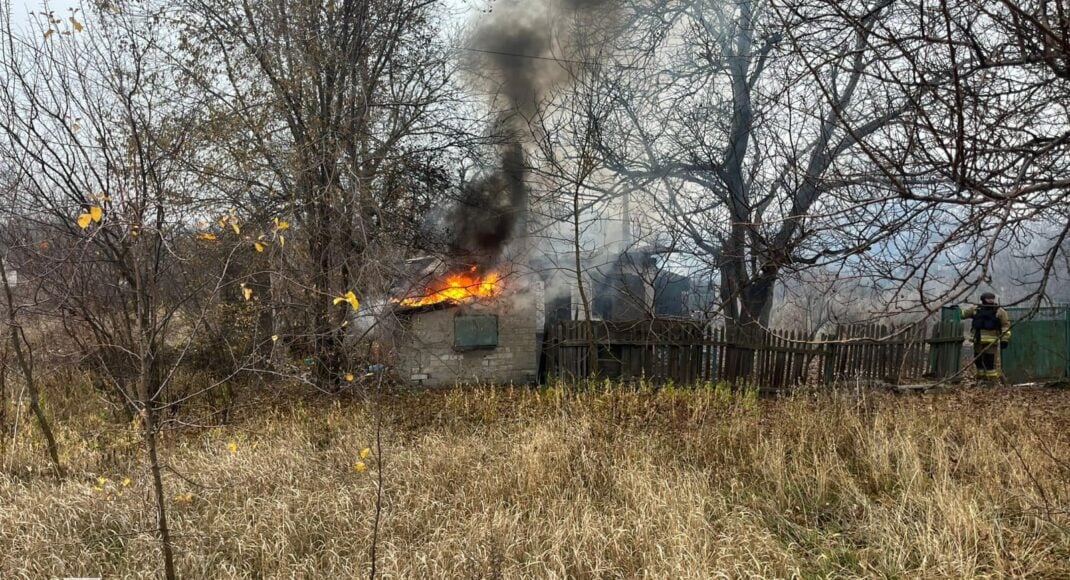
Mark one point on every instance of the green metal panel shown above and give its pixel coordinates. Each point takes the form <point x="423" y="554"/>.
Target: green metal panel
<point x="472" y="332"/>
<point x="950" y="314"/>
<point x="1040" y="345"/>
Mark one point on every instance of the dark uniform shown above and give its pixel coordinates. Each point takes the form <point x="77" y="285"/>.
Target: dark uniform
<point x="991" y="328"/>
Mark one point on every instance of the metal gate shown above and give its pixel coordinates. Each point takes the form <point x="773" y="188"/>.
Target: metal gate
<point x="1040" y="345"/>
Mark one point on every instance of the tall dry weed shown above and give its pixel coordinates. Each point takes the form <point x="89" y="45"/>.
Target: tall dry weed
<point x="600" y="483"/>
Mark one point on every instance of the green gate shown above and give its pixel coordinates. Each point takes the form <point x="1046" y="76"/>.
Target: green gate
<point x="945" y="346"/>
<point x="1040" y="345"/>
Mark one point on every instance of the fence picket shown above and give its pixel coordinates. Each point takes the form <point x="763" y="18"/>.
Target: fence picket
<point x="688" y="352"/>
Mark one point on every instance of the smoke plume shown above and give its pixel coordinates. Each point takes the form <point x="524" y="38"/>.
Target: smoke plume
<point x="515" y="51"/>
<point x="527" y="47"/>
<point x="491" y="210"/>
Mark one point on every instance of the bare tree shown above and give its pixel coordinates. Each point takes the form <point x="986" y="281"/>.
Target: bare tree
<point x="991" y="144"/>
<point x="24" y="359"/>
<point x="100" y="140"/>
<point x="741" y="119"/>
<point x="343" y="106"/>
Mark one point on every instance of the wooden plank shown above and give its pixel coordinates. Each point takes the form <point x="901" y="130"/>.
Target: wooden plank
<point x="865" y="365"/>
<point x="769" y="342"/>
<point x="800" y="360"/>
<point x="672" y="358"/>
<point x="719" y="353"/>
<point x="793" y="358"/>
<point x="847" y="352"/>
<point x="706" y="361"/>
<point x="780" y="372"/>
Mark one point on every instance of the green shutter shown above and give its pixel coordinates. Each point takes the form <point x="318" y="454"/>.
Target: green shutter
<point x="472" y="332"/>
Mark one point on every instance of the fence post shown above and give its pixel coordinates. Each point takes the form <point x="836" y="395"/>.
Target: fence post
<point x="829" y="351"/>
<point x="1066" y="331"/>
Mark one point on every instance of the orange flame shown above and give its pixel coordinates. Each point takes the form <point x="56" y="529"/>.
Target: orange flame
<point x="457" y="288"/>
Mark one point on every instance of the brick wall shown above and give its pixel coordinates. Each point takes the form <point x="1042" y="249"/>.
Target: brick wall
<point x="427" y="356"/>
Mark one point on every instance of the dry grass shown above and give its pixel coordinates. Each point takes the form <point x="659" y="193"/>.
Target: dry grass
<point x="503" y="483"/>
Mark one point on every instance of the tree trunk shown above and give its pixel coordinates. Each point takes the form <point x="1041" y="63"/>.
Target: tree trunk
<point x="148" y="385"/>
<point x="27" y="372"/>
<point x="757" y="299"/>
<point x="324" y="334"/>
<point x="748" y="304"/>
<point x="149" y="415"/>
<point x="265" y="319"/>
<point x="3" y="402"/>
<point x="588" y="324"/>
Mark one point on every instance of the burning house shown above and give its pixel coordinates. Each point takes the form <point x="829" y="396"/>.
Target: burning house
<point x="471" y="326"/>
<point x="472" y="315"/>
<point x="477" y="312"/>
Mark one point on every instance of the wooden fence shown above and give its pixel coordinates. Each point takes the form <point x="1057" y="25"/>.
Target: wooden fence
<point x="657" y="349"/>
<point x="687" y="352"/>
<point x="876" y="353"/>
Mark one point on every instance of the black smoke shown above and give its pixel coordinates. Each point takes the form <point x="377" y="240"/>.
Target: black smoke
<point x="490" y="211"/>
<point x="513" y="49"/>
<point x="528" y="45"/>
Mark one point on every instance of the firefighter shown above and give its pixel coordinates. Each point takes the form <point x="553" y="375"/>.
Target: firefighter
<point x="991" y="330"/>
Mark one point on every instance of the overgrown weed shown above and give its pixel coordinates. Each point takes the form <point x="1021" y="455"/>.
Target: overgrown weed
<point x="594" y="481"/>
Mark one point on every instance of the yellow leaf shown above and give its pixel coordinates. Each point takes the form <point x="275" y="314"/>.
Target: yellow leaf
<point x="49" y="32"/>
<point x="364" y="453"/>
<point x="234" y="226"/>
<point x="281" y="225"/>
<point x="96" y="212"/>
<point x="349" y="377"/>
<point x="359" y="466"/>
<point x="247" y="292"/>
<point x="84" y="220"/>
<point x="349" y="298"/>
<point x="232" y="447"/>
<point x="207" y="237"/>
<point x="77" y="25"/>
<point x="126" y="481"/>
<point x="274" y="338"/>
<point x="282" y="241"/>
<point x="259" y="247"/>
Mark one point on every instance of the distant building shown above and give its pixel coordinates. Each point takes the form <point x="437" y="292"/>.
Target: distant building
<point x="630" y="285"/>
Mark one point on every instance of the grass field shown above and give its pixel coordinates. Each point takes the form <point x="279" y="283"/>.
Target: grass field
<point x="608" y="483"/>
